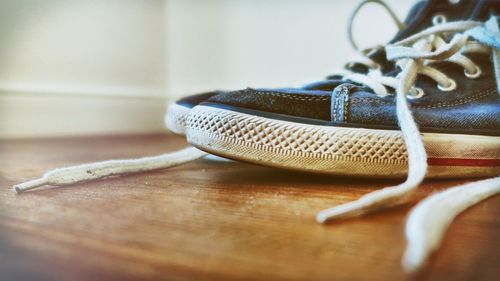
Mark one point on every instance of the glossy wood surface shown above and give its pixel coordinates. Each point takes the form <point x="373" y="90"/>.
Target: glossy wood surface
<point x="211" y="220"/>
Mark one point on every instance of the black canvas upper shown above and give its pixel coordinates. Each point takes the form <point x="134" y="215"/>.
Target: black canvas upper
<point x="193" y="100"/>
<point x="473" y="108"/>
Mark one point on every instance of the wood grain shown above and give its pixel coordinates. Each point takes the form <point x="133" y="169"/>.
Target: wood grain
<point x="211" y="221"/>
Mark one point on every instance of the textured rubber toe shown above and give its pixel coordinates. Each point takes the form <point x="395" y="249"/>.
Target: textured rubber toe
<point x="175" y="118"/>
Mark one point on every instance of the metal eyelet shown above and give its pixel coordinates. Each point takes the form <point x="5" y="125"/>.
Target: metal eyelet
<point x="454" y="2"/>
<point x="415" y="93"/>
<point x="475" y="74"/>
<point x="439" y="19"/>
<point x="452" y="86"/>
<point x="349" y="65"/>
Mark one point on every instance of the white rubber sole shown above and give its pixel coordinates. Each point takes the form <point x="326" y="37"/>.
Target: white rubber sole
<point x="176" y="118"/>
<point x="335" y="150"/>
<point x="175" y="121"/>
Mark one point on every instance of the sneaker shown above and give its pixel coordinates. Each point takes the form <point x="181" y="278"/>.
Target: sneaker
<point x="447" y="83"/>
<point x="354" y="129"/>
<point x="421" y="15"/>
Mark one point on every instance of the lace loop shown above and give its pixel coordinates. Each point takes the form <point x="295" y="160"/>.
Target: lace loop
<point x="362" y="57"/>
<point x="401" y="25"/>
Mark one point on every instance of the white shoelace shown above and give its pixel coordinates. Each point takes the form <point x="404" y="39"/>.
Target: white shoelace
<point x="424" y="229"/>
<point x="350" y="34"/>
<point x="415" y="55"/>
<point x="99" y="170"/>
<point x="362" y="56"/>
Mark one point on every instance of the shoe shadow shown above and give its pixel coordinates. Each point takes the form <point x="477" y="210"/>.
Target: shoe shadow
<point x="243" y="174"/>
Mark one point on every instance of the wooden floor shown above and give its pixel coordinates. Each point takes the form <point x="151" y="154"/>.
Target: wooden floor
<point x="211" y="221"/>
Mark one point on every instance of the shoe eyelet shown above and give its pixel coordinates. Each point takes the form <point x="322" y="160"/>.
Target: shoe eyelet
<point x="348" y="65"/>
<point x="454" y="2"/>
<point x="439" y="19"/>
<point x="415" y="93"/>
<point x="452" y="86"/>
<point x="475" y="74"/>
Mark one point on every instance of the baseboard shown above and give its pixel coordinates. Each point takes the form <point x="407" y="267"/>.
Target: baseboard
<point x="25" y="114"/>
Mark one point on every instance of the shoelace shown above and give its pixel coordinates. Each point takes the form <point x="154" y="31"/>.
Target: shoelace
<point x="414" y="55"/>
<point x="422" y="43"/>
<point x="362" y="56"/>
<point x="424" y="228"/>
<point x="94" y="171"/>
<point x="350" y="34"/>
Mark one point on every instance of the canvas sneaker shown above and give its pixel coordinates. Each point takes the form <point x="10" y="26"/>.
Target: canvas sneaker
<point x="422" y="15"/>
<point x="353" y="130"/>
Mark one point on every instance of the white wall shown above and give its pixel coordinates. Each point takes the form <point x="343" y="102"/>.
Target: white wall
<point x="72" y="67"/>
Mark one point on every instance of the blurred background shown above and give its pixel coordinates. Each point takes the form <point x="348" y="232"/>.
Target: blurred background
<point x="93" y="67"/>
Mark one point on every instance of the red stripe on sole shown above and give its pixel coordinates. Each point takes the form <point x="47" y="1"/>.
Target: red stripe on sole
<point x="463" y="162"/>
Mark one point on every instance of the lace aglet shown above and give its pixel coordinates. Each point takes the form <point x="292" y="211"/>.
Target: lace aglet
<point x="351" y="209"/>
<point x="412" y="263"/>
<point x="25" y="186"/>
<point x="332" y="213"/>
<point x="321" y="217"/>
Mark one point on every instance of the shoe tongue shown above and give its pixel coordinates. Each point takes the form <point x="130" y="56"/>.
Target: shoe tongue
<point x="415" y="18"/>
<point x="422" y="13"/>
<point x="415" y="11"/>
